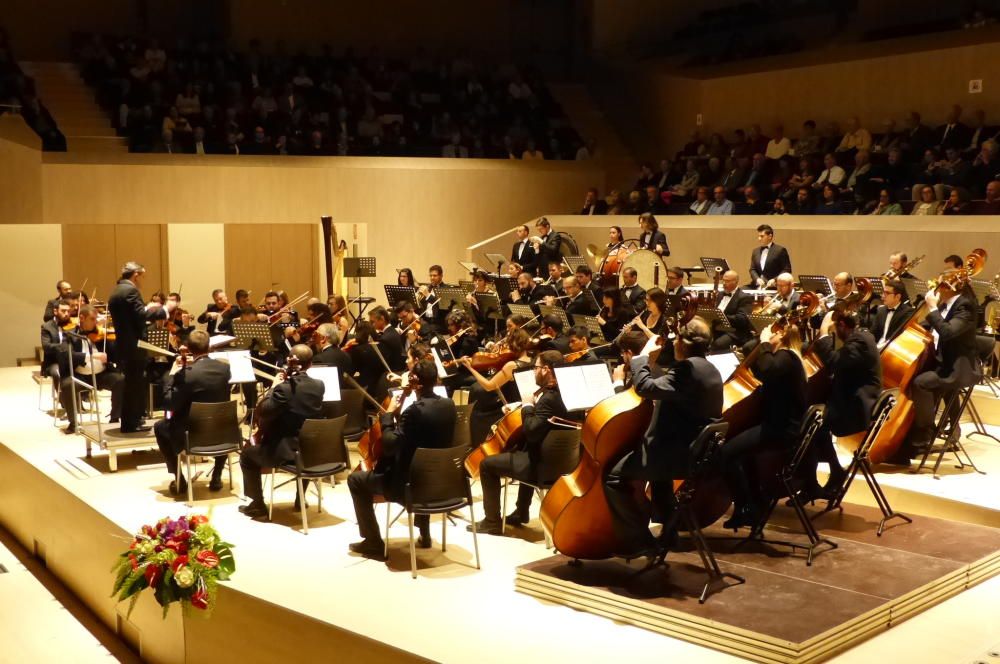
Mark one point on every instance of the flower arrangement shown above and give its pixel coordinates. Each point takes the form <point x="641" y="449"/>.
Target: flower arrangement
<point x="182" y="560"/>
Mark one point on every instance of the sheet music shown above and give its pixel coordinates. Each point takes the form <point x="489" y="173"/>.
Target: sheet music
<point x="439" y="390"/>
<point x="525" y="381"/>
<point x="583" y="386"/>
<point x="240" y="366"/>
<point x="726" y="363"/>
<point x="442" y="372"/>
<point x="330" y="376"/>
<point x="217" y="340"/>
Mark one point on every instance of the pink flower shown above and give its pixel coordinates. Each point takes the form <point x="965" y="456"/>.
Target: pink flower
<point x="179" y="562"/>
<point x="208" y="558"/>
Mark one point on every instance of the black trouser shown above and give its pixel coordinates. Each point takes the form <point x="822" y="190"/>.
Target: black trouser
<point x="821" y="449"/>
<point x="365" y="486"/>
<point x="630" y="518"/>
<point x="106" y="380"/>
<point x="171" y="442"/>
<point x="516" y="465"/>
<point x="136" y="387"/>
<point x="928" y="389"/>
<point x="734" y="457"/>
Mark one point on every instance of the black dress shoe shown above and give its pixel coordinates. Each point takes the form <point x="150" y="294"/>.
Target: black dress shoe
<point x="215" y="484"/>
<point x="142" y="428"/>
<point x="254" y="510"/>
<point x="487" y="527"/>
<point x="372" y="549"/>
<point x="808" y="494"/>
<point x="424" y="541"/>
<point x="743" y="516"/>
<point x="174" y="489"/>
<point x="517" y="518"/>
<point x="69" y="430"/>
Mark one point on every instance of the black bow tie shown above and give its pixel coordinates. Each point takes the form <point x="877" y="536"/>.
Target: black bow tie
<point x="891" y="310"/>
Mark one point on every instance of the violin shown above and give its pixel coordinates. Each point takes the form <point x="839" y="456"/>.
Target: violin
<point x="455" y="337"/>
<point x="485" y="361"/>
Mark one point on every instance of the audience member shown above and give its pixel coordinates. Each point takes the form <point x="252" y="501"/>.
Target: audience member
<point x="721" y="204"/>
<point x="928" y="202"/>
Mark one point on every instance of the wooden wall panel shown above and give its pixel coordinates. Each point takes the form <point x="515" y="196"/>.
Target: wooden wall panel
<point x="96" y="252"/>
<point x="145" y="244"/>
<point x="262" y="257"/>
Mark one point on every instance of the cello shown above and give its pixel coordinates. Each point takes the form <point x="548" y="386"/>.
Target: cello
<point x="902" y="359"/>
<point x="575" y="511"/>
<point x="507" y="434"/>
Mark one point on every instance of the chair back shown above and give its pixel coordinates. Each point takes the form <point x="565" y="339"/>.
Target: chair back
<point x="321" y="442"/>
<point x="463" y="434"/>
<point x="560" y="454"/>
<point x="880" y="413"/>
<point x="351" y="404"/>
<point x="705" y="446"/>
<point x="811" y="423"/>
<point x="437" y="476"/>
<point x="211" y="424"/>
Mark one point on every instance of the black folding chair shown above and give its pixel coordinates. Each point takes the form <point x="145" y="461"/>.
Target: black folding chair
<point x="352" y="404"/>
<point x="213" y="431"/>
<point x="322" y="453"/>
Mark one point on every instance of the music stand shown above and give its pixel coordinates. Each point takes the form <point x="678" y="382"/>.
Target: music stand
<point x="915" y="288"/>
<point x="557" y="311"/>
<point x="983" y="289"/>
<point x="471" y="268"/>
<point x="877" y="287"/>
<point x="497" y="259"/>
<point x="448" y="297"/>
<point x="505" y="286"/>
<point x="248" y="334"/>
<point x="466" y="286"/>
<point x="714" y="318"/>
<point x="356" y="267"/>
<point x="489" y="306"/>
<point x="518" y="309"/>
<point x="709" y="264"/>
<point x="590" y="322"/>
<point x="159" y="337"/>
<point x="817" y="283"/>
<point x="573" y="262"/>
<point x="691" y="270"/>
<point x="396" y="294"/>
<point x="760" y="321"/>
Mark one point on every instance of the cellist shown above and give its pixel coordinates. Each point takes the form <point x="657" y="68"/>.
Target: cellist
<point x="522" y="464"/>
<point x="428" y="422"/>
<point x="687" y="397"/>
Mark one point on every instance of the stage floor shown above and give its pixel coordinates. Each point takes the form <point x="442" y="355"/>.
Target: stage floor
<point x="451" y="612"/>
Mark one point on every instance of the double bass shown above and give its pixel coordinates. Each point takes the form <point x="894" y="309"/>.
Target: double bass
<point x="575" y="510"/>
<point x="903" y="358"/>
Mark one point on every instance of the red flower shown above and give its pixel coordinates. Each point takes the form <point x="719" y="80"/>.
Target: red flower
<point x="197" y="520"/>
<point x="179" y="561"/>
<point x="153" y="575"/>
<point x="207" y="558"/>
<point x="199" y="599"/>
<point x="177" y="546"/>
<point x="134" y="561"/>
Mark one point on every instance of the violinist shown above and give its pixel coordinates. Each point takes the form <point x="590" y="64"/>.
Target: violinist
<point x="652" y="238"/>
<point x="530" y="292"/>
<point x="274" y="301"/>
<point x="577" y="302"/>
<point x="284" y="407"/>
<point x="778" y="366"/>
<point x="461" y="337"/>
<point x="63" y="289"/>
<point x="319" y="314"/>
<point x="328" y="352"/>
<point x="891" y="316"/>
<point x="198" y="379"/>
<point x="612" y="317"/>
<point x="388" y="339"/>
<point x="488" y="394"/>
<point x="179" y="324"/>
<point x="522" y="464"/>
<point x="249" y="315"/>
<point x="341" y="315"/>
<point x="952" y="324"/>
<point x="687" y="397"/>
<point x="366" y="361"/>
<point x="675" y="281"/>
<point x="243" y="301"/>
<point x="579" y="344"/>
<point x="550" y="334"/>
<point x="427" y="422"/>
<point x="218" y="315"/>
<point x="736" y="305"/>
<point x="411" y="328"/>
<point x="633" y="294"/>
<point x="856" y="384"/>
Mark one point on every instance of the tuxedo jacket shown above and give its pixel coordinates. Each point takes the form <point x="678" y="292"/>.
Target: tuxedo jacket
<point x="130" y="315"/>
<point x="523" y="253"/>
<point x="777" y="263"/>
<point x="899" y="318"/>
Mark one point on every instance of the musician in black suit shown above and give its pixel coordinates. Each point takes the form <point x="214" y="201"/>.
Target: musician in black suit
<point x="64" y="289"/>
<point x="555" y="279"/>
<point x="579" y="342"/>
<point x="428" y="422"/>
<point x="737" y="306"/>
<point x="768" y="260"/>
<point x="687" y="397"/>
<point x="366" y="361"/>
<point x="892" y="314"/>
<point x="522" y="464"/>
<point x="389" y="342"/>
<point x="780" y="370"/>
<point x="633" y="295"/>
<point x="328" y="352"/>
<point x="551" y="335"/>
<point x="529" y="292"/>
<point x="219" y="315"/>
<point x="577" y="302"/>
<point x="285" y="407"/>
<point x="857" y="381"/>
<point x="204" y="380"/>
<point x="523" y="252"/>
<point x="675" y="282"/>
<point x="652" y="237"/>
<point x="547" y="244"/>
<point x="130" y="315"/>
<point x="952" y="322"/>
<point x="585" y="277"/>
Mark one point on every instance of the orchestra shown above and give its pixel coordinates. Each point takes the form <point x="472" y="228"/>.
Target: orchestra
<point x="656" y="348"/>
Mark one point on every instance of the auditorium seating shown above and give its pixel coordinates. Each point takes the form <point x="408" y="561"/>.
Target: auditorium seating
<point x="18" y="95"/>
<point x="265" y="101"/>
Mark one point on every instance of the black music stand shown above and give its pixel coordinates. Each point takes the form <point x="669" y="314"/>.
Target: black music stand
<point x="466" y="286"/>
<point x="557" y="311"/>
<point x="760" y="321"/>
<point x="159" y="337"/>
<point x="519" y="309"/>
<point x="396" y="294"/>
<point x="356" y="267"/>
<point x="248" y="334"/>
<point x="709" y="264"/>
<point x="573" y="262"/>
<point x="448" y="297"/>
<point x="691" y="270"/>
<point x="816" y="283"/>
<point x="496" y="259"/>
<point x="878" y="289"/>
<point x="590" y="322"/>
<point x="505" y="286"/>
<point x="714" y="318"/>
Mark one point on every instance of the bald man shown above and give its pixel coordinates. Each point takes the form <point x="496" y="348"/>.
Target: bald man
<point x="736" y="305"/>
<point x="287" y="405"/>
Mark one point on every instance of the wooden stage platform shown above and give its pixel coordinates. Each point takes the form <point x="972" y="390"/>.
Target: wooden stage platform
<point x="304" y="596"/>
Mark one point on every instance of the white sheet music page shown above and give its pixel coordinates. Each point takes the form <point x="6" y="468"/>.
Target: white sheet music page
<point x="526" y="385"/>
<point x="726" y="363"/>
<point x="584" y="386"/>
<point x="330" y="376"/>
<point x="240" y="367"/>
